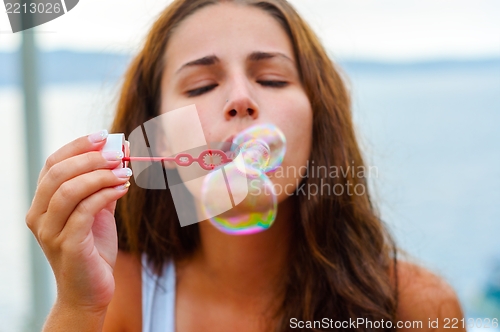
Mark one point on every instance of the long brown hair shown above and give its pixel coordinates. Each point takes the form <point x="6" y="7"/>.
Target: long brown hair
<point x="341" y="263"/>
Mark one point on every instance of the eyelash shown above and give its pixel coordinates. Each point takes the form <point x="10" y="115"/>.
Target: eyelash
<point x="199" y="91"/>
<point x="202" y="90"/>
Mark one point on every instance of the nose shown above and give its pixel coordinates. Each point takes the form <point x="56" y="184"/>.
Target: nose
<point x="240" y="103"/>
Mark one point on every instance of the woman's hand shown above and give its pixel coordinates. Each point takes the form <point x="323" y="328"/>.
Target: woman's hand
<point x="72" y="217"/>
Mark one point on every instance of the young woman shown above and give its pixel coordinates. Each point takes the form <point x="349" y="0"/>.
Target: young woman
<point x="328" y="259"/>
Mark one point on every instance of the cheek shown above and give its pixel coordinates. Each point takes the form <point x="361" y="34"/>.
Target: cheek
<point x="296" y="123"/>
<point x="205" y="117"/>
<point x="209" y="124"/>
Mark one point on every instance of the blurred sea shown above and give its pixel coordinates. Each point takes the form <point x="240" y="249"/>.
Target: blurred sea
<point x="431" y="129"/>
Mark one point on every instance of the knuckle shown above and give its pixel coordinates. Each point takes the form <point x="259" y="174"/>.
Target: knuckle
<point x="83" y="208"/>
<point x="30" y="222"/>
<point x="55" y="172"/>
<point x="41" y="175"/>
<point x="43" y="236"/>
<point x="57" y="242"/>
<point x="50" y="161"/>
<point x="66" y="190"/>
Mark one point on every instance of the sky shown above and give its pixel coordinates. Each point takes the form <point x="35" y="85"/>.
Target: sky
<point x="396" y="30"/>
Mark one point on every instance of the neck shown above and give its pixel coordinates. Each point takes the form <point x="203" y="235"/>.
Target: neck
<point x="247" y="265"/>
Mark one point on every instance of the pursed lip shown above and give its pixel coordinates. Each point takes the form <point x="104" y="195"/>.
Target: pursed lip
<point x="226" y="145"/>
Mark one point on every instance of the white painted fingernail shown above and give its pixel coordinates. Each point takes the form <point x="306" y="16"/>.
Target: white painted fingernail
<point x="98" y="136"/>
<point x="122" y="172"/>
<point x="112" y="155"/>
<point x="123" y="186"/>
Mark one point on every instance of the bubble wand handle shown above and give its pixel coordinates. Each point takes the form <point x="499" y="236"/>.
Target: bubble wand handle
<point x="208" y="159"/>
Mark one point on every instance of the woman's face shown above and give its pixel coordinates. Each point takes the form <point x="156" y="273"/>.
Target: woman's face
<point x="237" y="65"/>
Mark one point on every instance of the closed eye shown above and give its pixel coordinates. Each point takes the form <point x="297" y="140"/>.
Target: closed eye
<point x="202" y="90"/>
<point x="274" y="84"/>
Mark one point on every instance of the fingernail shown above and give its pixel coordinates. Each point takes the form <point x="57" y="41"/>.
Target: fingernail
<point x="122" y="172"/>
<point x="98" y="136"/>
<point x="123" y="186"/>
<point x="112" y="155"/>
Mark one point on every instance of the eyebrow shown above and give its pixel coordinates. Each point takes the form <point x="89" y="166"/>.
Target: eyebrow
<point x="211" y="60"/>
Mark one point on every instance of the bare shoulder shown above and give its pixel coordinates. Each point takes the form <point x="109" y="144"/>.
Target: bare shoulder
<point x="125" y="310"/>
<point x="424" y="296"/>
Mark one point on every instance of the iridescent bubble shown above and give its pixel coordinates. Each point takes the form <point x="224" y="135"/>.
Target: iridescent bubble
<point x="256" y="154"/>
<point x="269" y="134"/>
<point x="254" y="213"/>
<point x="251" y="205"/>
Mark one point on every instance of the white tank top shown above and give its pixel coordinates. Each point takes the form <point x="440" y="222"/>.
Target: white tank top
<point x="158" y="298"/>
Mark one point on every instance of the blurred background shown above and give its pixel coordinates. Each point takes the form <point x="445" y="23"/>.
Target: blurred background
<point x="425" y="81"/>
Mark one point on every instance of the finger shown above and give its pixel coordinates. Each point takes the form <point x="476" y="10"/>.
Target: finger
<point x="72" y="192"/>
<point x="83" y="219"/>
<point x="68" y="169"/>
<point x="92" y="142"/>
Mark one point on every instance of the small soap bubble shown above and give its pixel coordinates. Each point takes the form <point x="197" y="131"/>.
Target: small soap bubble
<point x="270" y="135"/>
<point x="256" y="155"/>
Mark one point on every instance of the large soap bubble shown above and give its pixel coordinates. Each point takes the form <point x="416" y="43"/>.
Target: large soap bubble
<point x="259" y="149"/>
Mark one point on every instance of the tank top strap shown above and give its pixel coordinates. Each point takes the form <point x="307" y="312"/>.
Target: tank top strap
<point x="158" y="298"/>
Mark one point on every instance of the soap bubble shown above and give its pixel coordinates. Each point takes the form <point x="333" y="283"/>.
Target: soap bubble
<point x="256" y="154"/>
<point x="271" y="136"/>
<point x="254" y="213"/>
<point x="259" y="149"/>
